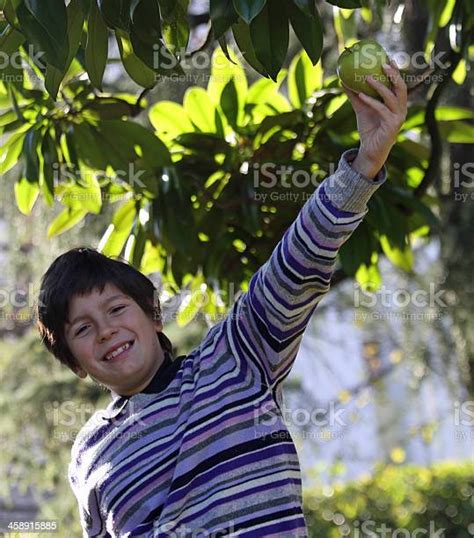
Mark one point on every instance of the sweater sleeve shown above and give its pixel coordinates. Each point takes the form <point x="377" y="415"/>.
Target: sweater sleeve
<point x="267" y="322"/>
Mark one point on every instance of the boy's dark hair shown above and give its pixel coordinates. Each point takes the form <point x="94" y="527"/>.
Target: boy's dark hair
<point x="78" y="272"/>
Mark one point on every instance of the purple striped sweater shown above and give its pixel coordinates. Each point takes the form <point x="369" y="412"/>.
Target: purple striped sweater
<point x="199" y="456"/>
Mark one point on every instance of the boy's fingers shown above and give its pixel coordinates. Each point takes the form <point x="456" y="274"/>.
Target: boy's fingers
<point x="375" y="104"/>
<point x="399" y="84"/>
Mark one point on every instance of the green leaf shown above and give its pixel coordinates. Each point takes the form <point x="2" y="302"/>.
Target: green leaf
<point x="175" y="29"/>
<point x="30" y="152"/>
<point x="249" y="9"/>
<point x="346" y="4"/>
<point x="224" y="70"/>
<point x="10" y="40"/>
<point x="117" y="233"/>
<point x="309" y="31"/>
<point x="116" y="13"/>
<point x="140" y="238"/>
<point x="263" y="90"/>
<point x="230" y="103"/>
<point x="136" y="68"/>
<point x="203" y="142"/>
<point x="49" y="157"/>
<point x="133" y="140"/>
<point x="96" y="47"/>
<point x="75" y="22"/>
<point x="303" y="79"/>
<point x="402" y="258"/>
<point x="308" y="7"/>
<point x="223" y="16"/>
<point x="146" y="21"/>
<point x="44" y="23"/>
<point x="26" y="194"/>
<point x="368" y="276"/>
<point x="270" y="37"/>
<point x="89" y="148"/>
<point x="11" y="150"/>
<point x="241" y="33"/>
<point x="457" y="132"/>
<point x="169" y="119"/>
<point x="66" y="220"/>
<point x="358" y="249"/>
<point x="201" y="110"/>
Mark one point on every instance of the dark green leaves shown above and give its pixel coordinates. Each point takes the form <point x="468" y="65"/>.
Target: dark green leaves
<point x="308" y="7"/>
<point x="346" y="4"/>
<point x="135" y="67"/>
<point x="223" y="16"/>
<point x="96" y="47"/>
<point x="75" y="23"/>
<point x="270" y="35"/>
<point x="175" y="28"/>
<point x="249" y="9"/>
<point x="146" y="20"/>
<point x="116" y="13"/>
<point x="309" y="31"/>
<point x="45" y="24"/>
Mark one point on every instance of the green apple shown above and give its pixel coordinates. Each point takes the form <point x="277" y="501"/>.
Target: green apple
<point x="356" y="63"/>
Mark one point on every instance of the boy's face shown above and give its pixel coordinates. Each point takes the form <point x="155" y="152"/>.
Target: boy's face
<point x="102" y="322"/>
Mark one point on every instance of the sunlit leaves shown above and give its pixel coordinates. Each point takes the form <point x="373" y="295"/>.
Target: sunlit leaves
<point x="114" y="239"/>
<point x="135" y="67"/>
<point x="303" y="79"/>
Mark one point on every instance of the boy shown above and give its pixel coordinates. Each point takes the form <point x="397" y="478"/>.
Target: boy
<point x="185" y="447"/>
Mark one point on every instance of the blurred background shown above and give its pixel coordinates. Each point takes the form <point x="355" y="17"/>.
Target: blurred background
<point x="380" y="400"/>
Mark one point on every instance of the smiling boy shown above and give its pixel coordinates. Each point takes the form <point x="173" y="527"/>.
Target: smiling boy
<point x="186" y="447"/>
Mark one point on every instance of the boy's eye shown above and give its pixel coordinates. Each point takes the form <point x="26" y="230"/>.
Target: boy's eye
<point x="81" y="330"/>
<point x="117" y="308"/>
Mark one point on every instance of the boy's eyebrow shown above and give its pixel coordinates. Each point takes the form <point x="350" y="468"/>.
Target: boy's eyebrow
<point x="109" y="300"/>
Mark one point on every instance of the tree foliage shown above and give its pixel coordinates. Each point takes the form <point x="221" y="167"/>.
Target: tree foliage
<point x="204" y="196"/>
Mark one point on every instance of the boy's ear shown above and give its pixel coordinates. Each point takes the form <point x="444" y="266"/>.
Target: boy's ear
<point x="158" y="325"/>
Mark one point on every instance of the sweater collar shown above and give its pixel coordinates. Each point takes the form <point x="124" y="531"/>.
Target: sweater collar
<point x="163" y="377"/>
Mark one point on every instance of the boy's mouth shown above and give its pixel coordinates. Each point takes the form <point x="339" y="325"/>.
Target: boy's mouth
<point x="118" y="352"/>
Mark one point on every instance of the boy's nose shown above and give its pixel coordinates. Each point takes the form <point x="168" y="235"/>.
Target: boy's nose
<point x="106" y="332"/>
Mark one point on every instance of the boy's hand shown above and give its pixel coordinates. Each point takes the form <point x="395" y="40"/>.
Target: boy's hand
<point x="378" y="123"/>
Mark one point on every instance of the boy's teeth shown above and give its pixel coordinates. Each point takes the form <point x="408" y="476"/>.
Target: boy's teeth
<point x="117" y="351"/>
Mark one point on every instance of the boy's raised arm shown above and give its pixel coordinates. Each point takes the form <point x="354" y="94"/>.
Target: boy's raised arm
<point x="267" y="323"/>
